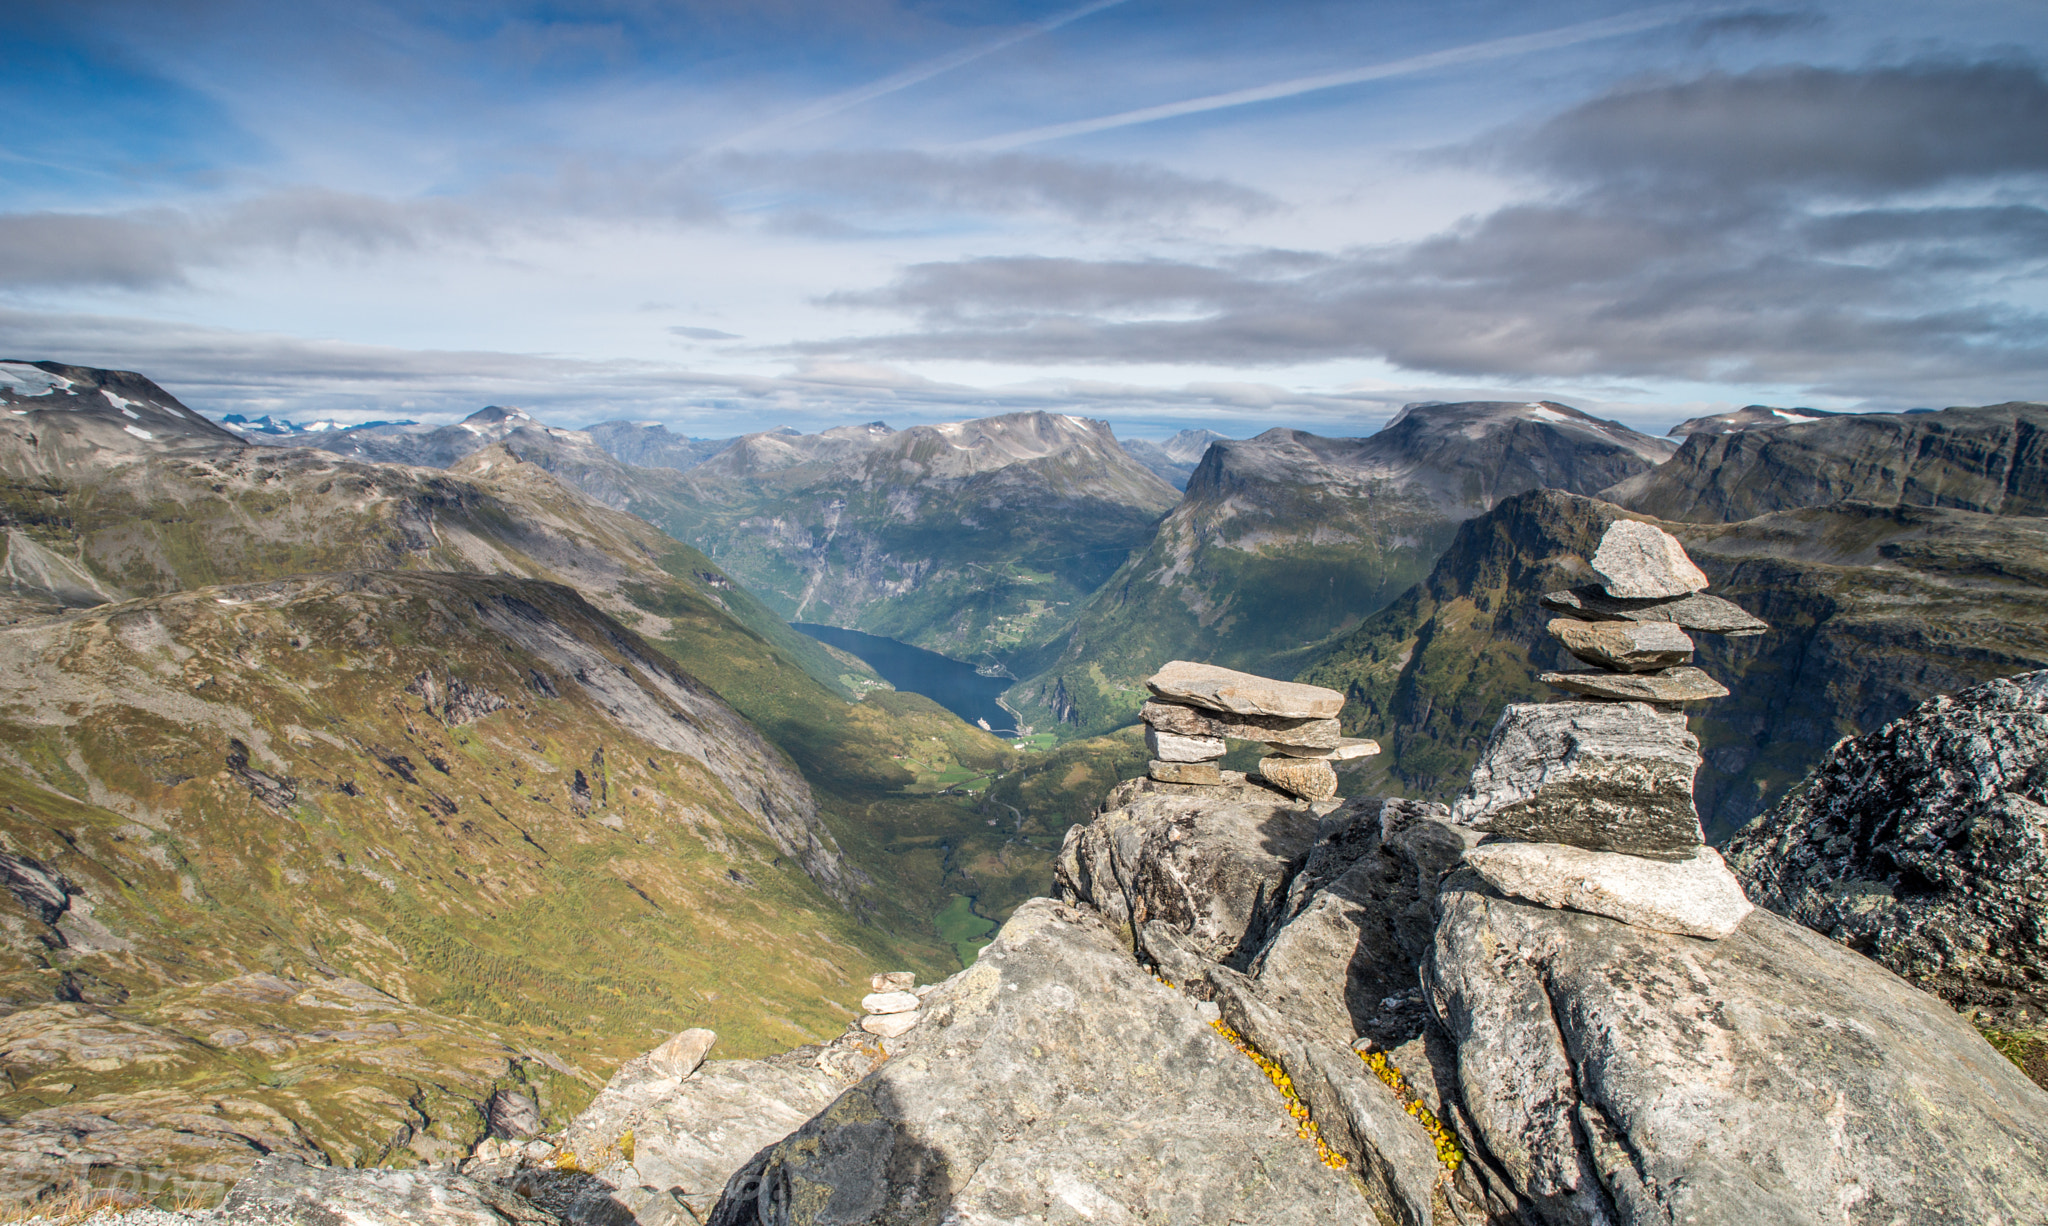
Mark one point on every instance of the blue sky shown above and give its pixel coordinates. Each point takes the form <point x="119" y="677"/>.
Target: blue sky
<point x="728" y="216"/>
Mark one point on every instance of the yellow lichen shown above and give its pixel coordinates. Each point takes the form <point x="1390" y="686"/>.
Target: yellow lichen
<point x="1447" y="1149"/>
<point x="1304" y="1126"/>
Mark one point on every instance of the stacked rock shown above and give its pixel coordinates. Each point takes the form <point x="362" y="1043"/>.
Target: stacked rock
<point x="892" y="1008"/>
<point x="1590" y="803"/>
<point x="1632" y="626"/>
<point x="1195" y="706"/>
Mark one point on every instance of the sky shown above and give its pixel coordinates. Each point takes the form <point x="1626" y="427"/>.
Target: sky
<point x="729" y="215"/>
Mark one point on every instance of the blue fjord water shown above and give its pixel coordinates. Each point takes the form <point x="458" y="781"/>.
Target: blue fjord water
<point x="953" y="684"/>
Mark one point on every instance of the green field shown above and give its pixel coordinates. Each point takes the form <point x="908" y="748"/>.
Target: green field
<point x="966" y="931"/>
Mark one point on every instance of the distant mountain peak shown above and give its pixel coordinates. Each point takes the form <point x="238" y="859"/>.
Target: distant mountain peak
<point x="1748" y="417"/>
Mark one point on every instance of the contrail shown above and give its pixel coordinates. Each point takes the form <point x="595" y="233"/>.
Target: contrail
<point x="824" y="107"/>
<point x="1499" y="48"/>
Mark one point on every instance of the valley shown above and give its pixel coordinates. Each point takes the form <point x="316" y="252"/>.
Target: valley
<point x="357" y="778"/>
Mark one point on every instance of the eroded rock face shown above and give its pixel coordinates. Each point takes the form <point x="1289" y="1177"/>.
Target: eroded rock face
<point x="1214" y="870"/>
<point x="1925" y="845"/>
<point x="1055" y="1080"/>
<point x="1608" y="776"/>
<point x="1625" y="1076"/>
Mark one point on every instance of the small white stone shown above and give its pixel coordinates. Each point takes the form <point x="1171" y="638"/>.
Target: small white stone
<point x="892" y="981"/>
<point x="889" y="1002"/>
<point x="889" y="1025"/>
<point x="1696" y="898"/>
<point x="1173" y="747"/>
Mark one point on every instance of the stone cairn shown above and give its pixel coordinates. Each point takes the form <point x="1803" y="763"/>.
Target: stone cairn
<point x="1589" y="800"/>
<point x="1195" y="706"/>
<point x="892" y="1008"/>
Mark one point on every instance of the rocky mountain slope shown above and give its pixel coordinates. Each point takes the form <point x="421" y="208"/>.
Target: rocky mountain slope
<point x="1873" y="608"/>
<point x="1992" y="459"/>
<point x="1288" y="538"/>
<point x="968" y="538"/>
<point x="1748" y="417"/>
<point x="649" y="444"/>
<point x="1174" y="460"/>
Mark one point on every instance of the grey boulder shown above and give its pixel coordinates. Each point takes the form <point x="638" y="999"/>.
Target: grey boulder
<point x="1607" y="776"/>
<point x="1925" y="845"/>
<point x="1211" y="864"/>
<point x="1681" y="684"/>
<point x="1697" y="611"/>
<point x="1631" y="647"/>
<point x="1622" y="1076"/>
<point x="1054" y="1081"/>
<point x="1695" y="898"/>
<point x="1272" y="729"/>
<point x="1226" y="689"/>
<point x="1636" y="560"/>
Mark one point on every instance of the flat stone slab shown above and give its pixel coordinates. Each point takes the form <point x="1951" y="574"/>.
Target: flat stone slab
<point x="1638" y="560"/>
<point x="1697" y="611"/>
<point x="1272" y="729"/>
<point x="1606" y="776"/>
<point x="1693" y="898"/>
<point x="1682" y="684"/>
<point x="1308" y="778"/>
<point x="1629" y="647"/>
<point x="1226" y="689"/>
<point x="1206" y="774"/>
<point x="888" y="1002"/>
<point x="1173" y="747"/>
<point x="1345" y="750"/>
<point x="891" y="1025"/>
<point x="893" y="981"/>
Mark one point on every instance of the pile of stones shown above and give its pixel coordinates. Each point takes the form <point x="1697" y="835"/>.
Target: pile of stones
<point x="1632" y="626"/>
<point x="892" y="1008"/>
<point x="1589" y="800"/>
<point x="1195" y="706"/>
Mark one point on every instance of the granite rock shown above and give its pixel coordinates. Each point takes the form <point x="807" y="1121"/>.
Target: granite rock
<point x="891" y="1025"/>
<point x="1308" y="778"/>
<point x="1606" y="776"/>
<point x="682" y="1053"/>
<point x="888" y="1002"/>
<point x="285" y="1190"/>
<point x="1206" y="774"/>
<point x="1173" y="747"/>
<point x="1617" y="1075"/>
<point x="1225" y="689"/>
<point x="893" y="981"/>
<point x="1681" y="684"/>
<point x="1629" y="647"/>
<point x="1055" y="1080"/>
<point x="1925" y="845"/>
<point x="1636" y="560"/>
<point x="1695" y="898"/>
<point x="1210" y="864"/>
<point x="1272" y="729"/>
<point x="1697" y="611"/>
<point x="1347" y="749"/>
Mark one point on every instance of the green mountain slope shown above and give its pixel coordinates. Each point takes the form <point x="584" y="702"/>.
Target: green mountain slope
<point x="1287" y="539"/>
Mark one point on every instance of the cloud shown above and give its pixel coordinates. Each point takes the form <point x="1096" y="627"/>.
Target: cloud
<point x="1773" y="227"/>
<point x="1469" y="53"/>
<point x="151" y="248"/>
<point x="704" y="334"/>
<point x="1801" y="129"/>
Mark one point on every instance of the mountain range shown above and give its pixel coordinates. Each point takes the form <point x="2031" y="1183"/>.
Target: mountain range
<point x="1284" y="540"/>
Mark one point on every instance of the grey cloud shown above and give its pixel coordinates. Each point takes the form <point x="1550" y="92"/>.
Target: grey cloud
<point x="1754" y="23"/>
<point x="159" y="247"/>
<point x="1862" y="132"/>
<point x="703" y="334"/>
<point x="1776" y="281"/>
